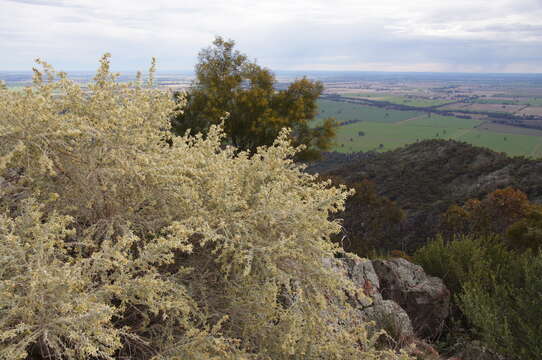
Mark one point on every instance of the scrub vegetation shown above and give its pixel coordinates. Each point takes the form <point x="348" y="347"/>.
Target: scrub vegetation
<point x="119" y="240"/>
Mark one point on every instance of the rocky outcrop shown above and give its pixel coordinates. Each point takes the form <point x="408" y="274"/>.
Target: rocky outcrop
<point x="386" y="314"/>
<point x="425" y="298"/>
<point x="401" y="298"/>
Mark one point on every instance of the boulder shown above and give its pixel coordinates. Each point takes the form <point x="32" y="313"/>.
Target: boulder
<point x="386" y="314"/>
<point x="363" y="275"/>
<point x="399" y="296"/>
<point x="425" y="299"/>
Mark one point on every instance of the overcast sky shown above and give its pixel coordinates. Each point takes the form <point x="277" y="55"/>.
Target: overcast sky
<point x="367" y="35"/>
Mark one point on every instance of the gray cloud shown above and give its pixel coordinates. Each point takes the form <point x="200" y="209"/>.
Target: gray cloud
<point x="51" y="3"/>
<point x="458" y="35"/>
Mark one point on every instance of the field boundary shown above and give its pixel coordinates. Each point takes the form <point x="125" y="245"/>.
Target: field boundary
<point x="409" y="119"/>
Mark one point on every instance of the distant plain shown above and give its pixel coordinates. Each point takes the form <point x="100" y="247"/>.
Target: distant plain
<point x="382" y="111"/>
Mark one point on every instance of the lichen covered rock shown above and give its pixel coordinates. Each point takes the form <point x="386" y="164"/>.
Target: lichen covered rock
<point x="425" y="298"/>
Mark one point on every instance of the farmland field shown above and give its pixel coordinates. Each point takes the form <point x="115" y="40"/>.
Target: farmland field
<point x="532" y="110"/>
<point x="401" y="100"/>
<point x="509" y="143"/>
<point x="364" y="136"/>
<point x="446" y="122"/>
<point x="343" y="111"/>
<point x="416" y="102"/>
<point x="497" y="101"/>
<point x="365" y="95"/>
<point x="382" y="134"/>
<point x="508" y="129"/>
<point x="484" y="107"/>
<point x="511" y="101"/>
<point x="532" y="101"/>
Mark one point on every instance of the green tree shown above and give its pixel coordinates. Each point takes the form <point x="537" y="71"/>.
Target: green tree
<point x="527" y="232"/>
<point x="231" y="88"/>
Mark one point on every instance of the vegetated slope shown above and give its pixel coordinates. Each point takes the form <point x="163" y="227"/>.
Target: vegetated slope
<point x="425" y="178"/>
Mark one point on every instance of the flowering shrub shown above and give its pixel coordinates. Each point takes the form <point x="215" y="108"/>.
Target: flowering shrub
<point x="118" y="240"/>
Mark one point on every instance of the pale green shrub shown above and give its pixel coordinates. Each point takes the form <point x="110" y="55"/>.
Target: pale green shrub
<point x="496" y="290"/>
<point x="506" y="310"/>
<point x="118" y="240"/>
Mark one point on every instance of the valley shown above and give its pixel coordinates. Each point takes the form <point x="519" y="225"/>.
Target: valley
<point x="384" y="112"/>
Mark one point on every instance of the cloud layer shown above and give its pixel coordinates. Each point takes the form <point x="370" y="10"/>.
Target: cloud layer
<point x="387" y="35"/>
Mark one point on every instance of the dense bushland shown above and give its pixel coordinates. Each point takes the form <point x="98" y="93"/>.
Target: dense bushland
<point x="371" y="222"/>
<point x="426" y="178"/>
<point x="489" y="257"/>
<point x="119" y="240"/>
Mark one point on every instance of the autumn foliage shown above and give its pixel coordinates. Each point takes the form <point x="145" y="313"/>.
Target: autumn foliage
<point x="506" y="212"/>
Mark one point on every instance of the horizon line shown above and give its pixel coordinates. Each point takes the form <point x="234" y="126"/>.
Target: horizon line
<point x="121" y="71"/>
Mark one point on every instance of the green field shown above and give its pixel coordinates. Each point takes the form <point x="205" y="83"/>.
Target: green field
<point x="445" y="122"/>
<point x="365" y="95"/>
<point x="512" y="144"/>
<point x="343" y="111"/>
<point x="520" y="101"/>
<point x="382" y="136"/>
<point x="497" y="101"/>
<point x="416" y="102"/>
<point x="532" y="101"/>
<point x="409" y="127"/>
<point x="403" y="100"/>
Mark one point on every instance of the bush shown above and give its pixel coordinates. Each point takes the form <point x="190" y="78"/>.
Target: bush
<point x="527" y="232"/>
<point x="117" y="240"/>
<point x="497" y="290"/>
<point x="507" y="311"/>
<point x="454" y="262"/>
<point x="371" y="222"/>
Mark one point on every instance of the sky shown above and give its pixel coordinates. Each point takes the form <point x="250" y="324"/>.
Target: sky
<point x="348" y="35"/>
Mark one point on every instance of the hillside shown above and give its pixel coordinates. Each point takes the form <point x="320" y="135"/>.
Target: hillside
<point x="425" y="178"/>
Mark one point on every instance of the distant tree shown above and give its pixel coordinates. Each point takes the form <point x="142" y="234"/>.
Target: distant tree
<point x="232" y="89"/>
<point x="527" y="232"/>
<point x="504" y="212"/>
